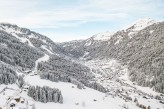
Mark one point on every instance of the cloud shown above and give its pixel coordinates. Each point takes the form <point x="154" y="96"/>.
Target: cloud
<point x="63" y="37"/>
<point x="28" y="13"/>
<point x="59" y="14"/>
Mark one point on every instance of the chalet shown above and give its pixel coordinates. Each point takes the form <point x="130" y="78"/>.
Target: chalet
<point x="17" y="99"/>
<point x="28" y="71"/>
<point x="25" y="88"/>
<point x="22" y="100"/>
<point x="162" y="102"/>
<point x="76" y="103"/>
<point x="13" y="103"/>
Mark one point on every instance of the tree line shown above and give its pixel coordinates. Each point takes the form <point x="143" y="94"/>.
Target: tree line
<point x="45" y="94"/>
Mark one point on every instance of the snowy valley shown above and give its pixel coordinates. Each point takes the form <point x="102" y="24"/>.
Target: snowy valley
<point x="107" y="71"/>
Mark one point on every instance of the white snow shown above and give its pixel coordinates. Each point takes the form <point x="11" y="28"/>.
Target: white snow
<point x="88" y="43"/>
<point x="31" y="36"/>
<point x="131" y="34"/>
<point x="9" y="30"/>
<point x="75" y="98"/>
<point x="141" y="24"/>
<point x="119" y="39"/>
<point x="103" y="36"/>
<point x="83" y="57"/>
<point x="23" y="39"/>
<point x="99" y="37"/>
<point x="44" y="47"/>
<point x="3" y="44"/>
<point x="151" y="31"/>
<point x="144" y="89"/>
<point x="74" y="95"/>
<point x="14" y="32"/>
<point x="44" y="41"/>
<point x="8" y="92"/>
<point x="42" y="59"/>
<point x="107" y="72"/>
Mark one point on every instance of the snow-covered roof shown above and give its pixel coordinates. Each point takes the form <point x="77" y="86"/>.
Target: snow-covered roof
<point x="17" y="97"/>
<point x="13" y="102"/>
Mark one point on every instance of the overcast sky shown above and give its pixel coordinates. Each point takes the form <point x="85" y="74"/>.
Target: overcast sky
<point x="64" y="20"/>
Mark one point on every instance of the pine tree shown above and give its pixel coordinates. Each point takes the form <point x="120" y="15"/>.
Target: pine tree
<point x="43" y="96"/>
<point x="20" y="81"/>
<point x="38" y="93"/>
<point x="55" y="97"/>
<point x="60" y="97"/>
<point x="50" y="95"/>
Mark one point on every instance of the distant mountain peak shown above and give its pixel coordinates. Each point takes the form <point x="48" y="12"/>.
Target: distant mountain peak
<point x="132" y="29"/>
<point x="6" y="23"/>
<point x="140" y="24"/>
<point x="103" y="36"/>
<point x="13" y="28"/>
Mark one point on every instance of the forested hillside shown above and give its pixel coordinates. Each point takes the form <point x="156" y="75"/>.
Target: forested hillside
<point x="139" y="47"/>
<point x="21" y="48"/>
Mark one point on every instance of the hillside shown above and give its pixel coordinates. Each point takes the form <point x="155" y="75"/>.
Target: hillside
<point x="139" y="46"/>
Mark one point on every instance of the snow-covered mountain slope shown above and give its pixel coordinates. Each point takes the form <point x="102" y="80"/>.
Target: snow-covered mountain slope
<point x="142" y="52"/>
<point x="103" y="36"/>
<point x="91" y="73"/>
<point x="31" y="38"/>
<point x="23" y="51"/>
<point x="78" y="49"/>
<point x="140" y="24"/>
<point x="75" y="98"/>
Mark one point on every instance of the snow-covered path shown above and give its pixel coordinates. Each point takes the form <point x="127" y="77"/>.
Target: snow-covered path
<point x="23" y="40"/>
<point x="45" y="48"/>
<point x="42" y="59"/>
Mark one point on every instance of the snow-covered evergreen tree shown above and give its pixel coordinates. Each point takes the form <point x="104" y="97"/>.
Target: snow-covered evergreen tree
<point x="45" y="94"/>
<point x="20" y="81"/>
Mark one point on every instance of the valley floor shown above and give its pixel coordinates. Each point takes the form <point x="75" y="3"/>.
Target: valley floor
<point x="74" y="98"/>
<point x="110" y="74"/>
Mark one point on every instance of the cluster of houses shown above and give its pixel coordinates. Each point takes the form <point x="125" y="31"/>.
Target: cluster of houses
<point x="20" y="103"/>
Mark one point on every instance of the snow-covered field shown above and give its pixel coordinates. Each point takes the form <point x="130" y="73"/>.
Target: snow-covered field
<point x="75" y="98"/>
<point x="107" y="73"/>
<point x="8" y="94"/>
